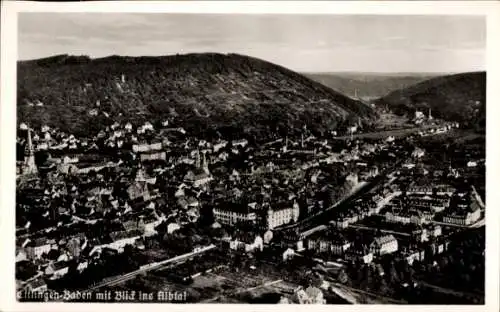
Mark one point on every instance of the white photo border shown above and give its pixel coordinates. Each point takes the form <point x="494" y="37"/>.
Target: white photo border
<point x="9" y="12"/>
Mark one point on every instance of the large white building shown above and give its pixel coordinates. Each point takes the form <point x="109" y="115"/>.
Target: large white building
<point x="465" y="212"/>
<point x="153" y="156"/>
<point x="410" y="216"/>
<point x="234" y="214"/>
<point x="326" y="243"/>
<point x="467" y="218"/>
<point x="283" y="214"/>
<point x="275" y="216"/>
<point x="144" y="147"/>
<point x="384" y="245"/>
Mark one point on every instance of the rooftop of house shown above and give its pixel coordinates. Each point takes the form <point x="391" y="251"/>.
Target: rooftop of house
<point x="124" y="234"/>
<point x="59" y="265"/>
<point x="381" y="240"/>
<point x="281" y="205"/>
<point x="331" y="235"/>
<point x="313" y="292"/>
<point x="236" y="207"/>
<point x="245" y="237"/>
<point x="36" y="283"/>
<point x="196" y="174"/>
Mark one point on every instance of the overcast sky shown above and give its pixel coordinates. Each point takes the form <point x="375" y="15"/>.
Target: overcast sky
<point x="306" y="43"/>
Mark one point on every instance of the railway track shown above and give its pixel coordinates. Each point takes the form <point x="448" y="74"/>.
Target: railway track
<point x="150" y="267"/>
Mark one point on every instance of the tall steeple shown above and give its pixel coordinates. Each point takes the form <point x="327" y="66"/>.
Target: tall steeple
<point x="139" y="176"/>
<point x="29" y="157"/>
<point x="204" y="164"/>
<point x="198" y="160"/>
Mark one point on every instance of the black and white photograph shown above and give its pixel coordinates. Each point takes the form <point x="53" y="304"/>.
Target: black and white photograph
<point x="240" y="158"/>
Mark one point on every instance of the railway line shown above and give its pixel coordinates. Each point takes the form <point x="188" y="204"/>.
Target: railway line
<point x="150" y="267"/>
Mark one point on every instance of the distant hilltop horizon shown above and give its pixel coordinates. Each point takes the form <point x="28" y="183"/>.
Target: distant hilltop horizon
<point x="306" y="72"/>
<point x="392" y="74"/>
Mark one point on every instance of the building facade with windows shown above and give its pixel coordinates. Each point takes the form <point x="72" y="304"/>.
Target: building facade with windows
<point x="282" y="214"/>
<point x="226" y="215"/>
<point x="384" y="245"/>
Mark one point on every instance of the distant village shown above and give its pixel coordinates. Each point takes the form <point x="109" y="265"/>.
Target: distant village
<point x="134" y="198"/>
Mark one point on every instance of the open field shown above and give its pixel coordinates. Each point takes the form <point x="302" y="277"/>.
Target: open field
<point x="120" y="279"/>
<point x="155" y="254"/>
<point x="223" y="285"/>
<point x="245" y="286"/>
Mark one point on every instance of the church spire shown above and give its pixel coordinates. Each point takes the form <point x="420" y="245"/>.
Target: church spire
<point x="29" y="145"/>
<point x="140" y="176"/>
<point x="204" y="164"/>
<point x="29" y="157"/>
<point x="198" y="160"/>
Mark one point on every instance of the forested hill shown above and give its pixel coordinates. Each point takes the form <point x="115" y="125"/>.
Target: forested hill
<point x="200" y="92"/>
<point x="459" y="97"/>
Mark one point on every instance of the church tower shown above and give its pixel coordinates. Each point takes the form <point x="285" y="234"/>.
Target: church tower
<point x="197" y="159"/>
<point x="29" y="157"/>
<point x="139" y="175"/>
<point x="204" y="164"/>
